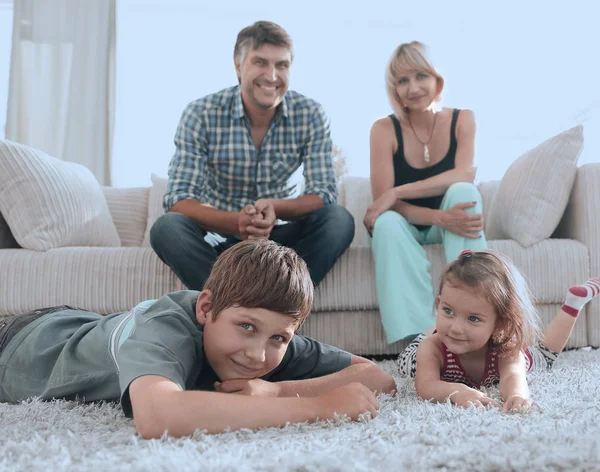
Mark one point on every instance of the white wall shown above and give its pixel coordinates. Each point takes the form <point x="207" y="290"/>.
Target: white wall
<point x="527" y="69"/>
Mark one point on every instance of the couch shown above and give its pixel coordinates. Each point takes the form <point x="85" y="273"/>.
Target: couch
<point x="113" y="279"/>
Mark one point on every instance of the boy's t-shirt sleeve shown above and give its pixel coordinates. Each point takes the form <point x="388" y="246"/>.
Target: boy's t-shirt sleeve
<point x="306" y="358"/>
<point x="165" y="345"/>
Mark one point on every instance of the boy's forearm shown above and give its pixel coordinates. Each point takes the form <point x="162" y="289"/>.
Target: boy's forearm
<point x="369" y="374"/>
<point x="185" y="412"/>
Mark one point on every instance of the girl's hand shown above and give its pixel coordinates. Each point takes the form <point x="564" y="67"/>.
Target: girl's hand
<point x="467" y="396"/>
<point x="519" y="404"/>
<point x="385" y="201"/>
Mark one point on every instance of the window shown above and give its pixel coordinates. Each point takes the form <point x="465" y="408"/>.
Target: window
<point x="527" y="76"/>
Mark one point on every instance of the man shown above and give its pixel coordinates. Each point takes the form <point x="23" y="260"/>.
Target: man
<point x="235" y="153"/>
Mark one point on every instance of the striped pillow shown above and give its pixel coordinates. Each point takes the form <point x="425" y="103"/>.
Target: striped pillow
<point x="533" y="194"/>
<point x="49" y="203"/>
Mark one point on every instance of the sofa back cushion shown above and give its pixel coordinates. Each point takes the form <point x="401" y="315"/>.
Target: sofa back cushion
<point x="155" y="207"/>
<point x="128" y="208"/>
<point x="356" y="197"/>
<point x="50" y="203"/>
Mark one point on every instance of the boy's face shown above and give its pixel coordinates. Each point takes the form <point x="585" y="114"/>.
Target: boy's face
<point x="243" y="343"/>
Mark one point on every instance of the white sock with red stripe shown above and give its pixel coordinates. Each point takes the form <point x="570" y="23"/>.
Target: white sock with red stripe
<point x="579" y="295"/>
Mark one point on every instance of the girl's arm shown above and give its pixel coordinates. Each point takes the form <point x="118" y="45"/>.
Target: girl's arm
<point x="429" y="385"/>
<point x="513" y="382"/>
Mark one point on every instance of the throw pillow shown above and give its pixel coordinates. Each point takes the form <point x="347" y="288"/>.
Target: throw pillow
<point x="155" y="207"/>
<point x="533" y="194"/>
<point x="50" y="203"/>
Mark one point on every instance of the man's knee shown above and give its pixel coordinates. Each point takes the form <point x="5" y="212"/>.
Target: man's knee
<point x="462" y="192"/>
<point x="336" y="218"/>
<point x="165" y="227"/>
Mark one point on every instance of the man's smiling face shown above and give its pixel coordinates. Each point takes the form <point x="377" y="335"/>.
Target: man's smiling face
<point x="264" y="76"/>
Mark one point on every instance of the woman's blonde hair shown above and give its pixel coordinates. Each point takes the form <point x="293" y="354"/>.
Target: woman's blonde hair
<point x="408" y="56"/>
<point x="500" y="282"/>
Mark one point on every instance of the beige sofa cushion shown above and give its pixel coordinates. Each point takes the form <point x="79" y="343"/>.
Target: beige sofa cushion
<point x="354" y="193"/>
<point x="49" y="203"/>
<point x="533" y="194"/>
<point x="550" y="268"/>
<point x="128" y="208"/>
<point x="101" y="279"/>
<point x="155" y="206"/>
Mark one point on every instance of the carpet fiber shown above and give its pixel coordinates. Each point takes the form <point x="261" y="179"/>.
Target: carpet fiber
<point x="408" y="434"/>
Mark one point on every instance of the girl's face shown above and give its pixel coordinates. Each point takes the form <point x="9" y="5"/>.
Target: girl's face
<point x="416" y="89"/>
<point x="465" y="319"/>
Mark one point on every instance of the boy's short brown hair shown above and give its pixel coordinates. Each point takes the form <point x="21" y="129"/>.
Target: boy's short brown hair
<point x="261" y="274"/>
<point x="259" y="33"/>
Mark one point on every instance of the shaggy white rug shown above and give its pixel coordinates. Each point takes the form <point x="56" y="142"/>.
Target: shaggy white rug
<point x="408" y="434"/>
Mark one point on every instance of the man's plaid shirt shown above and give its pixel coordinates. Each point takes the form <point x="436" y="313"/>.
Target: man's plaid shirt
<point x="216" y="162"/>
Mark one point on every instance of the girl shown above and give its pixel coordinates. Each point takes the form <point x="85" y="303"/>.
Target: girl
<point x="487" y="333"/>
<point x="422" y="171"/>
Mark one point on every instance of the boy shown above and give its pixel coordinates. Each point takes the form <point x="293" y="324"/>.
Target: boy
<point x="176" y="362"/>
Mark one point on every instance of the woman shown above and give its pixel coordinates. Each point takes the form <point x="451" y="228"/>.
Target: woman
<point x="422" y="176"/>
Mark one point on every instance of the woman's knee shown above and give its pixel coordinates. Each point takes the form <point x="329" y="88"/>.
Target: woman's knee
<point x="389" y="222"/>
<point x="461" y="192"/>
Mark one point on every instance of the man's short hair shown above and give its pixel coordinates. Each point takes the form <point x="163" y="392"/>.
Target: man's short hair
<point x="257" y="34"/>
<point x="261" y="274"/>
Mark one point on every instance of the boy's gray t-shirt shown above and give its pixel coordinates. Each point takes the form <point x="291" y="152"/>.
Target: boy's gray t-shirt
<point x="78" y="354"/>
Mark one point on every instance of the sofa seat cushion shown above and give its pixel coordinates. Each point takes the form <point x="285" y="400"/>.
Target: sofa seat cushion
<point x="104" y="280"/>
<point x="550" y="267"/>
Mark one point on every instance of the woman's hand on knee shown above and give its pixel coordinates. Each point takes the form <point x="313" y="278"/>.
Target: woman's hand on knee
<point x="458" y="221"/>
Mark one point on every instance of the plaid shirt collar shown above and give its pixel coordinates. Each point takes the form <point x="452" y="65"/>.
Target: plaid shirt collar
<point x="237" y="106"/>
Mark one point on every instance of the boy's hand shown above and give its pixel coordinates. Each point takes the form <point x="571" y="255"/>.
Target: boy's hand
<point x="467" y="396"/>
<point x="353" y="400"/>
<point x="250" y="387"/>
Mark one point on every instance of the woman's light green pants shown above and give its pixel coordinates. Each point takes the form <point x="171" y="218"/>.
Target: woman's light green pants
<point x="404" y="287"/>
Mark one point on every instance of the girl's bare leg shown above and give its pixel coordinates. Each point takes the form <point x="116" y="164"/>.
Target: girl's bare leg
<point x="559" y="330"/>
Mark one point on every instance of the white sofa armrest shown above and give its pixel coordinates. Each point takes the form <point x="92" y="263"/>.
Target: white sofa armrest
<point x="581" y="218"/>
<point x="581" y="221"/>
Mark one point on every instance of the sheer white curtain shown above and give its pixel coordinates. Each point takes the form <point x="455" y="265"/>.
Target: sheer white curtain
<point x="62" y="80"/>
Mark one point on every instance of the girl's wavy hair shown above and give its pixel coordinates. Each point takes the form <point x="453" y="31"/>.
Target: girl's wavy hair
<point x="408" y="56"/>
<point x="495" y="276"/>
<point x="261" y="274"/>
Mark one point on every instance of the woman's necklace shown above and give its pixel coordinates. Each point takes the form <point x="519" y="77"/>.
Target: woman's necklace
<point x="425" y="144"/>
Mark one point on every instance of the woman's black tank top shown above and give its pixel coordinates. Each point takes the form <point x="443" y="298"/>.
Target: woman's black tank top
<point x="404" y="173"/>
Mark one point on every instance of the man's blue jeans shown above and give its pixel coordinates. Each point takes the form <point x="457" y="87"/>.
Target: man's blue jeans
<point x="320" y="238"/>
